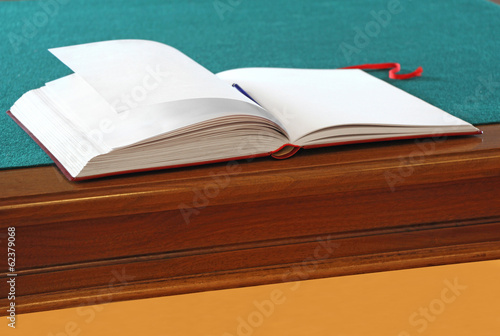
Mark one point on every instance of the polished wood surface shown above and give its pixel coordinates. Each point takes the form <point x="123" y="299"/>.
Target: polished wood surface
<point x="324" y="212"/>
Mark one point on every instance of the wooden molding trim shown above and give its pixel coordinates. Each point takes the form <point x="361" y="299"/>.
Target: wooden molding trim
<point x="268" y="217"/>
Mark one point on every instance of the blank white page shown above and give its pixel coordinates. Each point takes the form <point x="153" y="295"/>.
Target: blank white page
<point x="74" y="99"/>
<point x="134" y="73"/>
<point x="308" y="100"/>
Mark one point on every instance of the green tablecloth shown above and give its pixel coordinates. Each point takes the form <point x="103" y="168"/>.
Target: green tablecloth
<point x="456" y="41"/>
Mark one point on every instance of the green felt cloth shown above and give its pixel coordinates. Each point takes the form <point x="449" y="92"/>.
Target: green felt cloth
<point x="456" y="41"/>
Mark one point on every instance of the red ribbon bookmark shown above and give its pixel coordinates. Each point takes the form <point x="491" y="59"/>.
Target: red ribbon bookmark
<point x="393" y="72"/>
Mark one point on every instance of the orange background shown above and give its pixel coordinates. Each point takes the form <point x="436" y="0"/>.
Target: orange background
<point x="370" y="304"/>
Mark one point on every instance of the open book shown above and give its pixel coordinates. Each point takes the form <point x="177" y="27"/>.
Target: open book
<point x="134" y="105"/>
